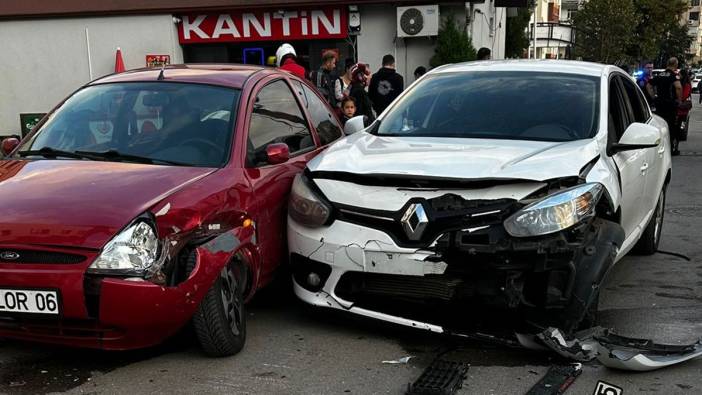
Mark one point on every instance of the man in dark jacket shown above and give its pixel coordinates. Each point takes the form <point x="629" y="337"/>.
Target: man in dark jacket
<point x="386" y="85"/>
<point x="325" y="77"/>
<point x="668" y="97"/>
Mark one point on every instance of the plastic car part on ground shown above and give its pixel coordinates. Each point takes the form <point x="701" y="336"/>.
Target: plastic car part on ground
<point x="557" y="380"/>
<point x="618" y="352"/>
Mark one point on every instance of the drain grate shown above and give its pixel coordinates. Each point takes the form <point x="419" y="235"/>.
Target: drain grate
<point x="686" y="211"/>
<point x="441" y="377"/>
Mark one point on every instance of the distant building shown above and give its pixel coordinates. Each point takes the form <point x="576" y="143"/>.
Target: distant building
<point x="555" y="36"/>
<point x="692" y="19"/>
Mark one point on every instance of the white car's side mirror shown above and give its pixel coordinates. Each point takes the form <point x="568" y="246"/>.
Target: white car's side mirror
<point x="637" y="136"/>
<point x="355" y="124"/>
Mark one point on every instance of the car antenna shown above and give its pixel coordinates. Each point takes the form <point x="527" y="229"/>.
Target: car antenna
<point x="160" y="75"/>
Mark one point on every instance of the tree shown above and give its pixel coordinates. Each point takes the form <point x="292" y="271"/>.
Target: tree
<point x="453" y="45"/>
<point x="676" y="42"/>
<point x="605" y="30"/>
<point x="516" y="40"/>
<point x="658" y="22"/>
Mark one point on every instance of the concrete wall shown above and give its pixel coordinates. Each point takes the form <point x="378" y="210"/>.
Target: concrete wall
<point x="42" y="61"/>
<point x="488" y="27"/>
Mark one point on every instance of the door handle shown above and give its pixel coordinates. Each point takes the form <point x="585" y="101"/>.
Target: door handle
<point x="644" y="168"/>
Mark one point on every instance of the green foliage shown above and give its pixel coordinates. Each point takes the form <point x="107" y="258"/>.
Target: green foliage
<point x="516" y="36"/>
<point x="605" y="30"/>
<point x="620" y="31"/>
<point x="453" y="45"/>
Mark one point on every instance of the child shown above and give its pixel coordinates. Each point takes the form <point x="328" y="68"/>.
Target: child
<point x="348" y="108"/>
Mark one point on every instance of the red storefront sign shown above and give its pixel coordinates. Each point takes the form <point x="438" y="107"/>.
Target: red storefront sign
<point x="318" y="23"/>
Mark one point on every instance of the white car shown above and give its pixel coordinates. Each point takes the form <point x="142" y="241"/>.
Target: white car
<point x="695" y="81"/>
<point x="513" y="185"/>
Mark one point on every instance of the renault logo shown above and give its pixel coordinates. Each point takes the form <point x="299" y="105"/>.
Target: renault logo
<point x="9" y="256"/>
<point x="414" y="221"/>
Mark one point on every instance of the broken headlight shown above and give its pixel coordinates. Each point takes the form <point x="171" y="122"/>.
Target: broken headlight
<point x="555" y="212"/>
<point x="132" y="252"/>
<point x="305" y="206"/>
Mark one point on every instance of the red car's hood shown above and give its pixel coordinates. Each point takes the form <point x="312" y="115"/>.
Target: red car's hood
<point x="80" y="203"/>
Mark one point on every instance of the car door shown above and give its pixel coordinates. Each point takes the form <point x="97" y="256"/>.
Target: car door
<point x="654" y="174"/>
<point x="631" y="164"/>
<point x="276" y="116"/>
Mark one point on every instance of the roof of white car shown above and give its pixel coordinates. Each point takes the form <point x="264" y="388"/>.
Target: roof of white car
<point x="553" y="66"/>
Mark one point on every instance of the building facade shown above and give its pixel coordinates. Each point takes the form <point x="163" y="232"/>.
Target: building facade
<point x="692" y="19"/>
<point x="49" y="48"/>
<point x="554" y="36"/>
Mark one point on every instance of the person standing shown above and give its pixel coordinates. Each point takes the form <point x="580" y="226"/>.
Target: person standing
<point x="342" y="85"/>
<point x="287" y="60"/>
<point x="684" y="108"/>
<point x="668" y="96"/>
<point x="419" y="72"/>
<point x="324" y="78"/>
<point x="385" y="85"/>
<point x="644" y="82"/>
<point x="484" y="54"/>
<point x="359" y="81"/>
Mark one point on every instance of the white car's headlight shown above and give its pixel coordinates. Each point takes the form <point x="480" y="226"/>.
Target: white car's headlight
<point x="131" y="252"/>
<point x="305" y="206"/>
<point x="555" y="212"/>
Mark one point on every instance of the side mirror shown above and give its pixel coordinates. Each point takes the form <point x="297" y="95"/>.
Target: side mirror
<point x="9" y="144"/>
<point x="637" y="136"/>
<point x="277" y="153"/>
<point x="355" y="124"/>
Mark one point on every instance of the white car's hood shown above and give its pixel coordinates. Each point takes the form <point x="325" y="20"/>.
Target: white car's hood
<point x="456" y="158"/>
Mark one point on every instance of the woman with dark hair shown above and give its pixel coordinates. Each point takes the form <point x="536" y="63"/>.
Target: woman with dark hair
<point x="359" y="81"/>
<point x="683" y="110"/>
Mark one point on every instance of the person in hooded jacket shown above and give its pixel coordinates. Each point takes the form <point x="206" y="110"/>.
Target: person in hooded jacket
<point x="287" y="60"/>
<point x="386" y="85"/>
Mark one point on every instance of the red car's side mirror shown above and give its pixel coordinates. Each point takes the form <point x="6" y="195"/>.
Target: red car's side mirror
<point x="9" y="144"/>
<point x="277" y="153"/>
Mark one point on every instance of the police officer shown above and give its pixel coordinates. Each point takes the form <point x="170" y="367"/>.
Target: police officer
<point x="668" y="91"/>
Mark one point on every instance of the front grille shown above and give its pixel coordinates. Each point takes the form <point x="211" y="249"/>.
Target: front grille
<point x="39" y="257"/>
<point x="446" y="213"/>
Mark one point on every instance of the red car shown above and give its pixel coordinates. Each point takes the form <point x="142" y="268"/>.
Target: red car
<point x="150" y="198"/>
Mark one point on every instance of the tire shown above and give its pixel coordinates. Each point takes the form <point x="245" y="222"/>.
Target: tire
<point x="651" y="236"/>
<point x="220" y="320"/>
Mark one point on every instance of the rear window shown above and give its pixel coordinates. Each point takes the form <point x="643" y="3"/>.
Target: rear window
<point x="498" y="105"/>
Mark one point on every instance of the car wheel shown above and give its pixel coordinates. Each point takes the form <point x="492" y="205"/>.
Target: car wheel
<point x="220" y="320"/>
<point x="651" y="236"/>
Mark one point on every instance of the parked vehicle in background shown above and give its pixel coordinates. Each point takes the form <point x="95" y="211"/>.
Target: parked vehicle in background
<point x="470" y="194"/>
<point x="695" y="81"/>
<point x="151" y="198"/>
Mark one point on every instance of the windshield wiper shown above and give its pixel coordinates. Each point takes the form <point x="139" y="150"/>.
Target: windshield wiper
<point x="118" y="156"/>
<point x="49" y="152"/>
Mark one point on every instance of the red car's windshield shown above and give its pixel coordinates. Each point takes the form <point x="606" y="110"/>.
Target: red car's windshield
<point x="161" y="122"/>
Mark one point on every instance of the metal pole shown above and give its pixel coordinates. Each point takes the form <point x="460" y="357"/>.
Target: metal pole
<point x="536" y="7"/>
<point x="90" y="63"/>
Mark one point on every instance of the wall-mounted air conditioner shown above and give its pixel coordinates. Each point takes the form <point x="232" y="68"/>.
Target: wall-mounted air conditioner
<point x="418" y="21"/>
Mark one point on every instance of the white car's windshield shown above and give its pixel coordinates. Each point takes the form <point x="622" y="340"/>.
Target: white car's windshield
<point x="498" y="105"/>
<point x="151" y="122"/>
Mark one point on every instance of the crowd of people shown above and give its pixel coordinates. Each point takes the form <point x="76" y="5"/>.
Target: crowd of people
<point x="669" y="94"/>
<point x="357" y="91"/>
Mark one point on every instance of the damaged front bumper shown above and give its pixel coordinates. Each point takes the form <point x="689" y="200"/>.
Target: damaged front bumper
<point x="554" y="280"/>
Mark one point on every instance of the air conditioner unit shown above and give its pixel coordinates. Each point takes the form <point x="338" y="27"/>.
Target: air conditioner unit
<point x="418" y="21"/>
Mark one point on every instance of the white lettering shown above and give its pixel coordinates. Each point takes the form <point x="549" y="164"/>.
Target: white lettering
<point x="193" y="27"/>
<point x="303" y="22"/>
<point x="230" y="27"/>
<point x="262" y="30"/>
<point x="286" y="16"/>
<point x="331" y="27"/>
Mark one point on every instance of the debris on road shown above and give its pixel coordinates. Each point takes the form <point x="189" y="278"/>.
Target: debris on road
<point x="441" y="377"/>
<point x="618" y="352"/>
<point x="402" y="360"/>
<point x="557" y="380"/>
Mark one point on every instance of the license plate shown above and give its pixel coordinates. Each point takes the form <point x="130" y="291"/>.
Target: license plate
<point x="29" y="301"/>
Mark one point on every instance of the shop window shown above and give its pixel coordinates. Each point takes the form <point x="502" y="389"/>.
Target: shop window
<point x="276" y="118"/>
<point x="323" y="120"/>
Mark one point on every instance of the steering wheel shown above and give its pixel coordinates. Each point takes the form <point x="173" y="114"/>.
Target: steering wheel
<point x="195" y="141"/>
<point x="538" y="131"/>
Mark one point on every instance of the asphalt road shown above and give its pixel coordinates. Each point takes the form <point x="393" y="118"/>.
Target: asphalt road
<point x="292" y="349"/>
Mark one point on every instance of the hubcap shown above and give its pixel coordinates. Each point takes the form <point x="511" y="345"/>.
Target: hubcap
<point x="231" y="299"/>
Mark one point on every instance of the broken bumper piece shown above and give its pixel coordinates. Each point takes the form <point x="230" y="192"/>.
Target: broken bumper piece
<point x="618" y="352"/>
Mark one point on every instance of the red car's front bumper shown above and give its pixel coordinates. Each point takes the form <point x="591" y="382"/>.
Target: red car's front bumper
<point x="127" y="314"/>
